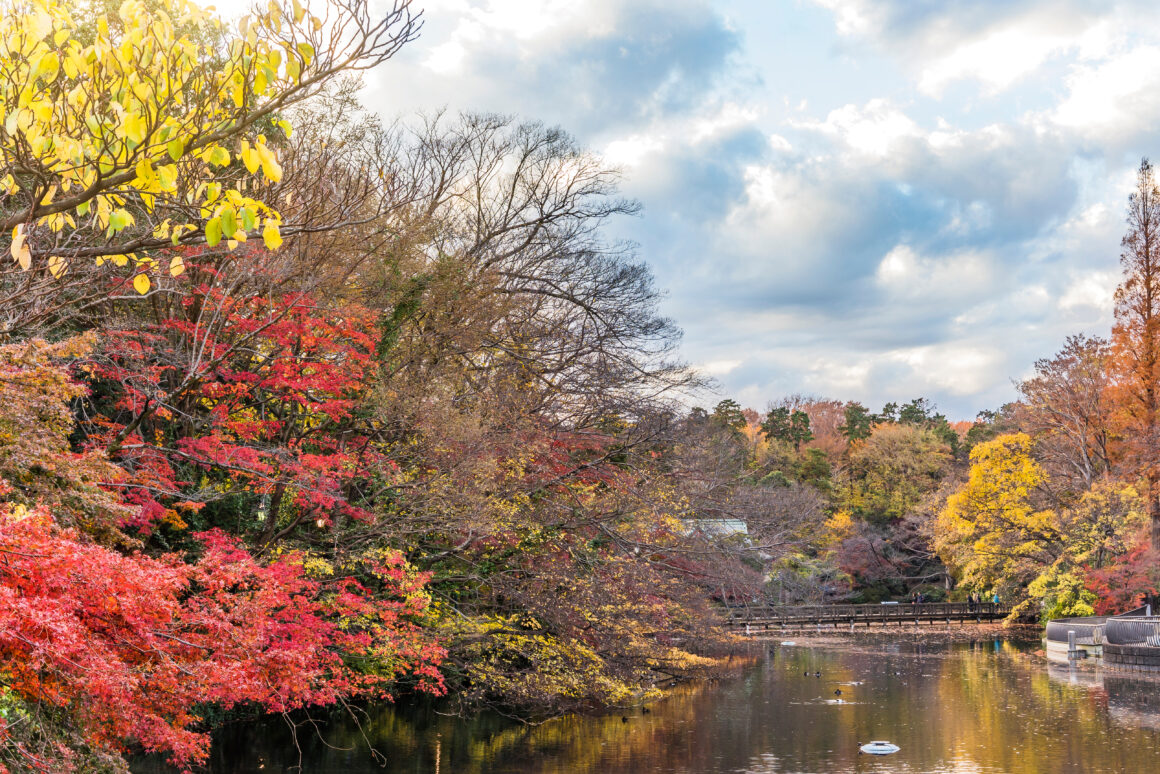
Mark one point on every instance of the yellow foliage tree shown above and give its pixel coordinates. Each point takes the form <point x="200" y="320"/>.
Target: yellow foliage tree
<point x="1004" y="530"/>
<point x="994" y="531"/>
<point x="125" y="132"/>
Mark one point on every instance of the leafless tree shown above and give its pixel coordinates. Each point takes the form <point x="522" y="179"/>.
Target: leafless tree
<point x="1065" y="407"/>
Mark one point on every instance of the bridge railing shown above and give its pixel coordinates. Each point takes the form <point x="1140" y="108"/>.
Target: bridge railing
<point x="1088" y="631"/>
<point x="856" y="612"/>
<point x="1135" y="630"/>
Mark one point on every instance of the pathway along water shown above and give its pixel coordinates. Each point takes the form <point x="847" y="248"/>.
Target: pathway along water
<point x="964" y="708"/>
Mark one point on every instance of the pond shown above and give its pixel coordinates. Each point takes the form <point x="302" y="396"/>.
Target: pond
<point x="976" y="707"/>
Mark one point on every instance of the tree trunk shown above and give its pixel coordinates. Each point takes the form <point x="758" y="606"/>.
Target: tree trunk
<point x="1154" y="506"/>
<point x="271" y="525"/>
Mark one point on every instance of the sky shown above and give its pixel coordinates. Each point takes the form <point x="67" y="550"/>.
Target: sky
<point x="869" y="200"/>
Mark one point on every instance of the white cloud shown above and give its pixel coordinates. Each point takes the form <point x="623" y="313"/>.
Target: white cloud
<point x="996" y="45"/>
<point x="1093" y="289"/>
<point x="873" y="130"/>
<point x="779" y="143"/>
<point x="1113" y="97"/>
<point x="903" y="273"/>
<point x="527" y="26"/>
<point x="839" y="376"/>
<point x="719" y="367"/>
<point x="998" y="59"/>
<point x="852" y="17"/>
<point x="960" y="368"/>
<point x="630" y="151"/>
<point x="723" y="119"/>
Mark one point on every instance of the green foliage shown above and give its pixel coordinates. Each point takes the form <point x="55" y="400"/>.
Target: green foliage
<point x="892" y="470"/>
<point x="728" y="413"/>
<point x="858" y="424"/>
<point x="792" y="427"/>
<point x="410" y="300"/>
<point x="919" y="411"/>
<point x="802" y="578"/>
<point x="989" y="424"/>
<point x="815" y="469"/>
<point x="1059" y="593"/>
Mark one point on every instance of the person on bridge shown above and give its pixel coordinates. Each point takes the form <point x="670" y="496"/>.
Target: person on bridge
<point x="995" y="598"/>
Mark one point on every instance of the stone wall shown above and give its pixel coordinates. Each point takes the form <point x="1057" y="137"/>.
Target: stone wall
<point x="1136" y="658"/>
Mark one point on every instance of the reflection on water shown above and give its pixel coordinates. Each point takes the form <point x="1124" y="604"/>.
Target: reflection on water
<point x="959" y="709"/>
<point x="1132" y="700"/>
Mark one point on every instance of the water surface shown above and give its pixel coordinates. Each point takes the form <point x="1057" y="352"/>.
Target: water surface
<point x="984" y="707"/>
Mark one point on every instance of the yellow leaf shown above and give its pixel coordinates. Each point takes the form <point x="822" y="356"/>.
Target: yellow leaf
<point x="24" y="257"/>
<point x="72" y="64"/>
<point x="217" y="155"/>
<point x="57" y="266"/>
<point x="17" y="239"/>
<point x="133" y="127"/>
<point x="272" y="237"/>
<point x="167" y="177"/>
<point x="141" y="283"/>
<point x="120" y="218"/>
<point x="49" y="66"/>
<point x="269" y="162"/>
<point x="21" y="253"/>
<point x="213" y="231"/>
<point x="229" y="221"/>
<point x="250" y="157"/>
<point x="176" y="266"/>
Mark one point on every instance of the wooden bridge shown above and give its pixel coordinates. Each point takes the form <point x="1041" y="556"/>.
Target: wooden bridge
<point x="757" y="620"/>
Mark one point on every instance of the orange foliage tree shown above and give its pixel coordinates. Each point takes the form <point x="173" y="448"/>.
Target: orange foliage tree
<point x="1135" y="361"/>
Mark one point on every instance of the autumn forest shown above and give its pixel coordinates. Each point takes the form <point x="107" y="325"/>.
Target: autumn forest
<point x="301" y="408"/>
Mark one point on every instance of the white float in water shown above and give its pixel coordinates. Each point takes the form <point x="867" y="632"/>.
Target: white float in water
<point x="789" y="642"/>
<point x="880" y="748"/>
